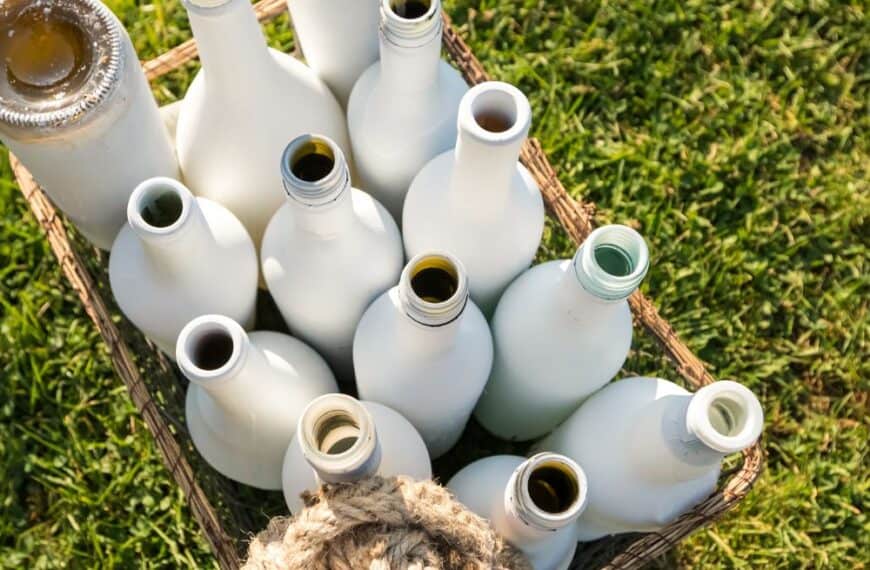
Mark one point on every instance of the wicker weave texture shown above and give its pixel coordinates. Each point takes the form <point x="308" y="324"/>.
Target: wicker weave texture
<point x="228" y="512"/>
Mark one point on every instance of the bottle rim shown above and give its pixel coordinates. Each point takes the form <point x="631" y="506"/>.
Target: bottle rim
<point x="324" y="190"/>
<point x="434" y="313"/>
<point x="410" y="32"/>
<point x="602" y="283"/>
<point x="190" y="341"/>
<point x="521" y="502"/>
<point x="499" y="98"/>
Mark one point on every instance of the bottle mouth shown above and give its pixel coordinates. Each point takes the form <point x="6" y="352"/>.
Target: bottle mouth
<point x="612" y="262"/>
<point x="159" y="207"/>
<point x="338" y="438"/>
<point x="433" y="289"/>
<point x="60" y="61"/>
<point x="209" y="348"/>
<point x="495" y="112"/>
<point x="725" y="416"/>
<point x="549" y="491"/>
<point x="410" y="23"/>
<point x="314" y="170"/>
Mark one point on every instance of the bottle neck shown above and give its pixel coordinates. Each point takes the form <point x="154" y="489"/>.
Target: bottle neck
<point x="494" y="121"/>
<point x="611" y="263"/>
<point x="544" y="495"/>
<point x="231" y="44"/>
<point x="339" y="439"/>
<point x="169" y="223"/>
<point x="325" y="221"/>
<point x="410" y="45"/>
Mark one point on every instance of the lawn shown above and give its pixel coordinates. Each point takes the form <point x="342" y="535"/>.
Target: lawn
<point x="735" y="135"/>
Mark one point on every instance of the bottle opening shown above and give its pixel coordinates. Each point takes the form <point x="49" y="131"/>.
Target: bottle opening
<point x="495" y="110"/>
<point x="212" y="350"/>
<point x="337" y="433"/>
<point x="435" y="280"/>
<point x="553" y="488"/>
<point x="161" y="207"/>
<point x="45" y="52"/>
<point x="314" y="161"/>
<point x="726" y="416"/>
<point x="614" y="260"/>
<point x="410" y="9"/>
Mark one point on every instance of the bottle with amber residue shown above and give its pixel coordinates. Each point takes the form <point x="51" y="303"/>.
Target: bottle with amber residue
<point x="76" y="110"/>
<point x="533" y="503"/>
<point x="424" y="349"/>
<point x="328" y="252"/>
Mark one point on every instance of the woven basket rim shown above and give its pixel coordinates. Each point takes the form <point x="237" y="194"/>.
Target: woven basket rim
<point x="577" y="218"/>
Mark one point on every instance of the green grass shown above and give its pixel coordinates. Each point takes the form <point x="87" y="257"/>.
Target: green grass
<point x="734" y="135"/>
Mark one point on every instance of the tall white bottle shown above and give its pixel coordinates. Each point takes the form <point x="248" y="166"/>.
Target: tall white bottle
<point x="341" y="439"/>
<point x="77" y="110"/>
<point x="180" y="257"/>
<point x="328" y="252"/>
<point x="652" y="450"/>
<point x="246" y="395"/>
<point x="402" y="111"/>
<point x="424" y="349"/>
<point x="562" y="330"/>
<point x="476" y="201"/>
<point x="339" y="39"/>
<point x="533" y="503"/>
<point x="242" y="108"/>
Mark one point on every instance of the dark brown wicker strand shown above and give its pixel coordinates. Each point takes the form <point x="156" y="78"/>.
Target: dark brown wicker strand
<point x="159" y="398"/>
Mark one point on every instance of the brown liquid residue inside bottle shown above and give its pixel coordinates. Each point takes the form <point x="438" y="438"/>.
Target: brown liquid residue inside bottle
<point x="552" y="489"/>
<point x="493" y="122"/>
<point x="313" y="167"/>
<point x="44" y="53"/>
<point x="434" y="285"/>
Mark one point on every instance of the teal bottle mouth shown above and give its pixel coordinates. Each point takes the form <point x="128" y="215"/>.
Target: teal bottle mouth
<point x="612" y="262"/>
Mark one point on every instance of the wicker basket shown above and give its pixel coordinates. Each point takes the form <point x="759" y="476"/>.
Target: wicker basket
<point x="229" y="513"/>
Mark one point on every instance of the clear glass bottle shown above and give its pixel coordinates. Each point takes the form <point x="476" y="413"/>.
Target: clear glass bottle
<point x="424" y="349"/>
<point x="652" y="450"/>
<point x="402" y="111"/>
<point x="340" y="439"/>
<point x="77" y="110"/>
<point x="533" y="503"/>
<point x="247" y="392"/>
<point x="328" y="252"/>
<point x="562" y="330"/>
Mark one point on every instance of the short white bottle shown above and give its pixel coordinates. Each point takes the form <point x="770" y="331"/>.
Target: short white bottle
<point x="562" y="330"/>
<point x="402" y="111"/>
<point x="242" y="108"/>
<point x="77" y="110"/>
<point x="247" y="393"/>
<point x="179" y="257"/>
<point x="476" y="201"/>
<point x="328" y="252"/>
<point x="424" y="349"/>
<point x="340" y="439"/>
<point x="652" y="450"/>
<point x="339" y="39"/>
<point x="533" y="503"/>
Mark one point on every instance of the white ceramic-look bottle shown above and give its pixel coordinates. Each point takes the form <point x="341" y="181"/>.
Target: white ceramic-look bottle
<point x="477" y="201"/>
<point x="424" y="349"/>
<point x="341" y="439"/>
<point x="652" y="450"/>
<point x="562" y="330"/>
<point x="77" y="110"/>
<point x="180" y="257"/>
<point x="533" y="503"/>
<point x="339" y="39"/>
<point x="246" y="395"/>
<point x="241" y="110"/>
<point x="328" y="252"/>
<point x="402" y="111"/>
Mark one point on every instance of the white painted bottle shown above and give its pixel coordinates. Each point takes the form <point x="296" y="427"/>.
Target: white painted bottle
<point x="652" y="450"/>
<point x="476" y="201"/>
<point x="247" y="392"/>
<point x="341" y="439"/>
<point x="562" y="330"/>
<point x="180" y="257"/>
<point x="424" y="349"/>
<point x="533" y="503"/>
<point x="402" y="111"/>
<point x="78" y="112"/>
<point x="242" y="108"/>
<point x="328" y="252"/>
<point x="339" y="39"/>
